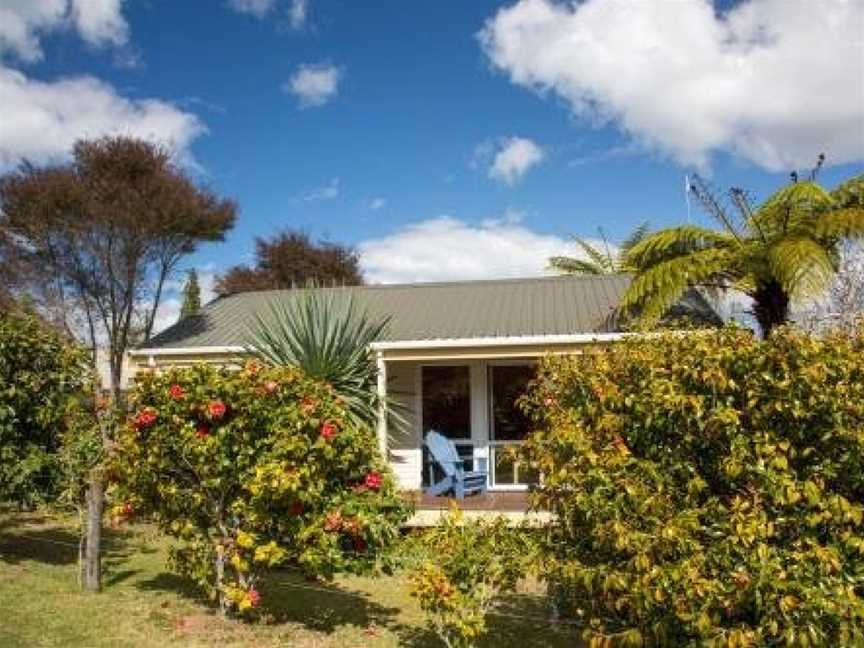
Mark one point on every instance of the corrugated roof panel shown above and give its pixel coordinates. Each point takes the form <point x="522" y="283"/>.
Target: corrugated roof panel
<point x="505" y="307"/>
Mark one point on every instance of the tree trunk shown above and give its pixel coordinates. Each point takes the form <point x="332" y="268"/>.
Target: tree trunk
<point x="770" y="306"/>
<point x="92" y="556"/>
<point x="220" y="579"/>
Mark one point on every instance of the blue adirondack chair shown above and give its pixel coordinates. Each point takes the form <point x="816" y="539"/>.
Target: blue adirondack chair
<point x="456" y="478"/>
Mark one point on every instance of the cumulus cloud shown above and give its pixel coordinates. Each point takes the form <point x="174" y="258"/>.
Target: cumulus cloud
<point x="446" y="248"/>
<point x="509" y="158"/>
<point x="41" y="120"/>
<point x="24" y="22"/>
<point x="769" y="81"/>
<point x="314" y="84"/>
<point x="328" y="191"/>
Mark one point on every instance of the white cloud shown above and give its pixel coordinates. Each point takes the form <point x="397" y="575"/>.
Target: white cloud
<point x="314" y="84"/>
<point x="24" y="22"/>
<point x="446" y="248"/>
<point x="509" y="158"/>
<point x="772" y="81"/>
<point x="41" y="120"/>
<point x="377" y="203"/>
<point x="257" y="8"/>
<point x="328" y="191"/>
<point x="297" y="13"/>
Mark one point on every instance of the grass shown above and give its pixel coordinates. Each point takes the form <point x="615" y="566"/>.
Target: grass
<point x="144" y="605"/>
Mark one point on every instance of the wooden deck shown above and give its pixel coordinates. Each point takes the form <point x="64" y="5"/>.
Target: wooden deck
<point x="511" y="505"/>
<point x="511" y="502"/>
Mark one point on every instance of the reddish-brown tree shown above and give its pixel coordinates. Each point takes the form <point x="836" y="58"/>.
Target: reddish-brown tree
<point x="293" y="259"/>
<point x="100" y="236"/>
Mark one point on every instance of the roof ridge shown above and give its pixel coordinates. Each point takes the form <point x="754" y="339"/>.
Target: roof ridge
<point x="434" y="284"/>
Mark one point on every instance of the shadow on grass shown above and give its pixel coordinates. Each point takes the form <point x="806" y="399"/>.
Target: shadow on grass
<point x="37" y="537"/>
<point x="317" y="606"/>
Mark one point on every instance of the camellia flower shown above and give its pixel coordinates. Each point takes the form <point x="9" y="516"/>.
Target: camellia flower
<point x="254" y="597"/>
<point x="144" y="419"/>
<point x="216" y="409"/>
<point x="373" y="480"/>
<point x="176" y="392"/>
<point x="202" y="431"/>
<point x="296" y="508"/>
<point x="328" y="430"/>
<point x="271" y="386"/>
<point x="359" y="544"/>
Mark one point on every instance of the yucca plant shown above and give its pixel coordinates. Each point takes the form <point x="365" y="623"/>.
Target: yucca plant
<point x="599" y="261"/>
<point x="784" y="250"/>
<point x="326" y="333"/>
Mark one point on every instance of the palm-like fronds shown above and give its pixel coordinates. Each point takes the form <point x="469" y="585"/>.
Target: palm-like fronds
<point x="599" y="262"/>
<point x="327" y="334"/>
<point x="784" y="249"/>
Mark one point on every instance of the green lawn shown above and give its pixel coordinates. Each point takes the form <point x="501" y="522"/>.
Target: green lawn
<point x="144" y="605"/>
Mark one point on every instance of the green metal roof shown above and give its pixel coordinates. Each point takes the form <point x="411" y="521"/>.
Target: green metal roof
<point x="559" y="305"/>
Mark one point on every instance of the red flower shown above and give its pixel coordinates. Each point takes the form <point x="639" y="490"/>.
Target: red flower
<point x="202" y="431"/>
<point x="128" y="509"/>
<point x="144" y="419"/>
<point x="373" y="480"/>
<point x="328" y="430"/>
<point x="176" y="392"/>
<point x="216" y="409"/>
<point x="297" y="508"/>
<point x="254" y="597"/>
<point x="359" y="544"/>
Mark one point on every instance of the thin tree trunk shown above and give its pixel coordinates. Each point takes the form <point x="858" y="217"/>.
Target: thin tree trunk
<point x="770" y="307"/>
<point x="93" y="557"/>
<point x="220" y="579"/>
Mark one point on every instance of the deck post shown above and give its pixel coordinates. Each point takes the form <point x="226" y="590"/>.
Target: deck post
<point x="382" y="404"/>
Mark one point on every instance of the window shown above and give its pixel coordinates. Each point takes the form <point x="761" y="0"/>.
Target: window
<point x="508" y="423"/>
<point x="447" y="401"/>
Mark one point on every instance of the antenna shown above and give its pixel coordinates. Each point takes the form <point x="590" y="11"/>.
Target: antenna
<point x="687" y="195"/>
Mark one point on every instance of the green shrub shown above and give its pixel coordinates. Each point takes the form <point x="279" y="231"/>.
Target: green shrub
<point x="42" y="379"/>
<point x="708" y="488"/>
<point x="464" y="566"/>
<point x="251" y="470"/>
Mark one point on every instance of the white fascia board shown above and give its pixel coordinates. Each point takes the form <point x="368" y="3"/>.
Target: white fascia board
<point x="513" y="340"/>
<point x="201" y="350"/>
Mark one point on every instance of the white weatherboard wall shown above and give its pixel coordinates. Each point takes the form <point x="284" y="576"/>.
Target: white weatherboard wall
<point x="406" y="455"/>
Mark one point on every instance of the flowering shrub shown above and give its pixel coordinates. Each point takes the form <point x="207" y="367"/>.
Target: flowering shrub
<point x="251" y="470"/>
<point x="465" y="566"/>
<point x="43" y="379"/>
<point x="709" y="488"/>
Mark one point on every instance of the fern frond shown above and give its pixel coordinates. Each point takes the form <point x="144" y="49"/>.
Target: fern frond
<point x="849" y="193"/>
<point x="601" y="259"/>
<point x="655" y="289"/>
<point x="790" y="208"/>
<point x="675" y="242"/>
<point x="572" y="265"/>
<point x="840" y="224"/>
<point x="635" y="237"/>
<point x="803" y="267"/>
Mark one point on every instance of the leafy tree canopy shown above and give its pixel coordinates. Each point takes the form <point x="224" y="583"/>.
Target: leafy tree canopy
<point x="290" y="260"/>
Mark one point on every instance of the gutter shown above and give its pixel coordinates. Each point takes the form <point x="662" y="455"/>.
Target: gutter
<point x="440" y="343"/>
<point x="512" y="340"/>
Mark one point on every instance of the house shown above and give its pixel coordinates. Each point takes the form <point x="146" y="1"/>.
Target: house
<point x="457" y="356"/>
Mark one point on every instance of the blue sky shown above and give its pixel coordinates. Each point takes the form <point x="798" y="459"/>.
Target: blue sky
<point x="447" y="139"/>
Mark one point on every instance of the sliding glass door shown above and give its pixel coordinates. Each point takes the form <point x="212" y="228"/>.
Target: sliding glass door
<point x="446" y="408"/>
<point x="508" y="425"/>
